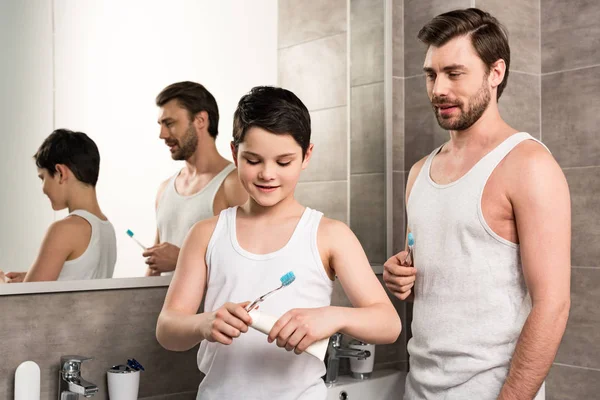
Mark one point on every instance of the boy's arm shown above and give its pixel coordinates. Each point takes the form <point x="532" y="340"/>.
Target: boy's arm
<point x="373" y="318"/>
<point x="541" y="205"/>
<point x="56" y="248"/>
<point x="179" y="327"/>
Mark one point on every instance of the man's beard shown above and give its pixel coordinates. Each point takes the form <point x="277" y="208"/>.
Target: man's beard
<point x="187" y="145"/>
<point x="478" y="103"/>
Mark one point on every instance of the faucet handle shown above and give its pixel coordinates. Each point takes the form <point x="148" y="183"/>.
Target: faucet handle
<point x="72" y="364"/>
<point x="336" y="340"/>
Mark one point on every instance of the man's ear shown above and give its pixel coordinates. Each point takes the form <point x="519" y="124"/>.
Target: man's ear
<point x="201" y="120"/>
<point x="234" y="153"/>
<point x="497" y="73"/>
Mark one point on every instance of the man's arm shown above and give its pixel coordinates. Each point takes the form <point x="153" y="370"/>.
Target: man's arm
<point x="542" y="209"/>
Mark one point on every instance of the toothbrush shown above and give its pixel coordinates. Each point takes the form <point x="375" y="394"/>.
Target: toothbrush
<point x="411" y="243"/>
<point x="264" y="322"/>
<point x="286" y="280"/>
<point x="130" y="234"/>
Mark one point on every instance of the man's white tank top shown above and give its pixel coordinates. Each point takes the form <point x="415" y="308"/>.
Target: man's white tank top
<point x="470" y="300"/>
<point x="98" y="260"/>
<point x="251" y="368"/>
<point x="176" y="214"/>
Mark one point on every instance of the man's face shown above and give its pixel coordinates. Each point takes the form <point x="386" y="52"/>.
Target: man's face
<point x="177" y="130"/>
<point x="457" y="84"/>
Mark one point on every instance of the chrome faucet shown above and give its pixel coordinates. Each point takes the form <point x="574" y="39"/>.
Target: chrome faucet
<point x="70" y="382"/>
<point x="335" y="351"/>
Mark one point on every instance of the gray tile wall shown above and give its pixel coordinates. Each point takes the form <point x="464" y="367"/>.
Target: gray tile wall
<point x="570" y="68"/>
<point x="110" y="326"/>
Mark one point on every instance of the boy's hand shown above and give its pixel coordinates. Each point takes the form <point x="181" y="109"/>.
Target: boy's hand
<point x="162" y="257"/>
<point x="15" y="277"/>
<point x="300" y="327"/>
<point x="2" y="277"/>
<point x="226" y="323"/>
<point x="399" y="277"/>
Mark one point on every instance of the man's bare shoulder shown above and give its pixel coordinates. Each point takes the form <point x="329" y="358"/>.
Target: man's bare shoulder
<point x="235" y="193"/>
<point x="529" y="157"/>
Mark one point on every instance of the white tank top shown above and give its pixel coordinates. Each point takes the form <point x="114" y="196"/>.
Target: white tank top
<point x="251" y="368"/>
<point x="470" y="296"/>
<point x="176" y="214"/>
<point x="98" y="260"/>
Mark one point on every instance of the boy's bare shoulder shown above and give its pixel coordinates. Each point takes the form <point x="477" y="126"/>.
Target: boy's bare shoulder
<point x="334" y="231"/>
<point x="204" y="228"/>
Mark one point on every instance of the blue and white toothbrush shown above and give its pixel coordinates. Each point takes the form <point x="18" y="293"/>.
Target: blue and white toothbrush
<point x="264" y="322"/>
<point x="286" y="280"/>
<point x="130" y="234"/>
<point x="411" y="243"/>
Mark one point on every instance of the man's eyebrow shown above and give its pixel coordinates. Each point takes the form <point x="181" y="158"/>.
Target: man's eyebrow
<point x="451" y="67"/>
<point x="165" y="120"/>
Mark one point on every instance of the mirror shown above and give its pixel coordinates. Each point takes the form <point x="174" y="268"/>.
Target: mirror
<point x="97" y="67"/>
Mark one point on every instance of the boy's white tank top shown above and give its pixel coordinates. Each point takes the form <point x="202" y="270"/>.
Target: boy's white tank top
<point x="251" y="368"/>
<point x="98" y="260"/>
<point x="470" y="299"/>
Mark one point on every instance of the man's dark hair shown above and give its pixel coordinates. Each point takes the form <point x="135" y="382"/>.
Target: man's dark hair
<point x="194" y="98"/>
<point x="73" y="149"/>
<point x="488" y="36"/>
<point x="275" y="110"/>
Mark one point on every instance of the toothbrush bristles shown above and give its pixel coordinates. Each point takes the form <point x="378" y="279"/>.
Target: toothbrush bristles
<point x="287" y="279"/>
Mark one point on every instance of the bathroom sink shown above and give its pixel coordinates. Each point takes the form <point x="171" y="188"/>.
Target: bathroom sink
<point x="383" y="385"/>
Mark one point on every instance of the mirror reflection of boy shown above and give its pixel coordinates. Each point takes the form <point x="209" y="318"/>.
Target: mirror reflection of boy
<point x="240" y="254"/>
<point x="82" y="245"/>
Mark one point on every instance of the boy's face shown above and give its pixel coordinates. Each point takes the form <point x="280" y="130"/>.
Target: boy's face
<point x="52" y="188"/>
<point x="457" y="84"/>
<point x="269" y="165"/>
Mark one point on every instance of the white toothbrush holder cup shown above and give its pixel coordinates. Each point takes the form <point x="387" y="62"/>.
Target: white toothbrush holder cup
<point x="362" y="369"/>
<point x="123" y="385"/>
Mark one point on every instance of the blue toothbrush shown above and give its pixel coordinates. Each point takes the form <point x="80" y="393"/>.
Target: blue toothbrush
<point x="130" y="234"/>
<point x="411" y="244"/>
<point x="286" y="280"/>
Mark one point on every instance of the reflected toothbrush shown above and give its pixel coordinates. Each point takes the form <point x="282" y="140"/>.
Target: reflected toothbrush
<point x="130" y="234"/>
<point x="411" y="243"/>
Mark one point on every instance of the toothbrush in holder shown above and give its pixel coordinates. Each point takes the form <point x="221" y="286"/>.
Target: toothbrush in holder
<point x="411" y="243"/>
<point x="130" y="234"/>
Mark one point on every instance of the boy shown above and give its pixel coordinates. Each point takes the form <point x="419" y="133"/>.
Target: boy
<point x="82" y="245"/>
<point x="240" y="255"/>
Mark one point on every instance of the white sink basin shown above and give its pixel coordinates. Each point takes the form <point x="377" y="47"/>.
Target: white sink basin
<point x="383" y="385"/>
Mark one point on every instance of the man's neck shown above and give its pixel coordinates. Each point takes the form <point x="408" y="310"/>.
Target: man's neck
<point x="206" y="159"/>
<point x="488" y="131"/>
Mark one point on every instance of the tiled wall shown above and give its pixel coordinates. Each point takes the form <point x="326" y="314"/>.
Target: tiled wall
<point x="313" y="63"/>
<point x="110" y="326"/>
<point x="570" y="68"/>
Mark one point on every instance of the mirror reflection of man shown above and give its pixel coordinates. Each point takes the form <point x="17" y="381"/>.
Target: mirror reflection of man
<point x="207" y="183"/>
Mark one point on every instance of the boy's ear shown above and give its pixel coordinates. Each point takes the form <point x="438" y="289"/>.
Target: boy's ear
<point x="307" y="155"/>
<point x="63" y="172"/>
<point x="234" y="153"/>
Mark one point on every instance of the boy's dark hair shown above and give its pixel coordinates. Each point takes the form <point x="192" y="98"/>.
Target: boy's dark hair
<point x="194" y="98"/>
<point x="73" y="149"/>
<point x="488" y="36"/>
<point x="273" y="109"/>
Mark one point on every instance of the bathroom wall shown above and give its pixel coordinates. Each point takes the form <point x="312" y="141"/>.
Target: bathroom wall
<point x="331" y="54"/>
<point x="570" y="75"/>
<point x="110" y="326"/>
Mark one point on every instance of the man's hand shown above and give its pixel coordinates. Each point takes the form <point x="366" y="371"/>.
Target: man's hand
<point x="162" y="257"/>
<point x="15" y="277"/>
<point x="399" y="276"/>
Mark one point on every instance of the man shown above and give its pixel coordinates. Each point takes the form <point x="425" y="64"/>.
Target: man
<point x="206" y="185"/>
<point x="490" y="215"/>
